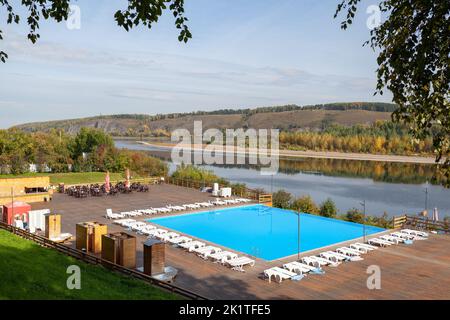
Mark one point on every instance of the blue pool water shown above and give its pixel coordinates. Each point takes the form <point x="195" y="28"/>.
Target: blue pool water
<point x="264" y="232"/>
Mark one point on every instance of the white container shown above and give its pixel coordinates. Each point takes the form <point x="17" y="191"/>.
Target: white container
<point x="225" y="192"/>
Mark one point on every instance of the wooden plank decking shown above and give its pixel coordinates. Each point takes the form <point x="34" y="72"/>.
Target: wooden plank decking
<point x="418" y="271"/>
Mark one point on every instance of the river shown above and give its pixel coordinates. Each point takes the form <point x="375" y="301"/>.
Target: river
<point x="394" y="188"/>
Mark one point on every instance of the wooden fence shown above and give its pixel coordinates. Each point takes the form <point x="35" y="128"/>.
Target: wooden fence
<point x="420" y="223"/>
<point x="91" y="259"/>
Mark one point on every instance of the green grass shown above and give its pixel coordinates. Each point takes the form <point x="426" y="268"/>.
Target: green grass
<point x="72" y="177"/>
<point x="29" y="271"/>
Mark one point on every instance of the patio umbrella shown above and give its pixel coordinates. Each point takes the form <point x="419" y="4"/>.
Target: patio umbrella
<point x="127" y="182"/>
<point x="107" y="182"/>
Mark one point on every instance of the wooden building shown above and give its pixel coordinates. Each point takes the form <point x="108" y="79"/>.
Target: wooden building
<point x="26" y="189"/>
<point x="119" y="248"/>
<point x="89" y="236"/>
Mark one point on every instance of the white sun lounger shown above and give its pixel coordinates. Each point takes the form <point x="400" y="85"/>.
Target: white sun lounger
<point x="404" y="236"/>
<point x="223" y="256"/>
<point x="363" y="245"/>
<point x="137" y="226"/>
<point x="396" y="240"/>
<point x="351" y="254"/>
<point x="166" y="236"/>
<point x="156" y="232"/>
<point x="192" y="245"/>
<point x="415" y="232"/>
<point x="239" y="263"/>
<point x="205" y="252"/>
<point x="334" y="256"/>
<point x="128" y="224"/>
<point x="179" y="240"/>
<point x="298" y="267"/>
<point x="111" y="215"/>
<point x="148" y="211"/>
<point x="360" y="249"/>
<point x="380" y="242"/>
<point x="279" y="273"/>
<point x="348" y="251"/>
<point x="146" y="229"/>
<point x="409" y="236"/>
<point x="205" y="204"/>
<point x="121" y="221"/>
<point x="319" y="261"/>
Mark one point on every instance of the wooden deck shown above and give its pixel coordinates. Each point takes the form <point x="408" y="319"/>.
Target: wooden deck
<point x="418" y="271"/>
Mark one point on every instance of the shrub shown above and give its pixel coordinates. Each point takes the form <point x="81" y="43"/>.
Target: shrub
<point x="305" y="204"/>
<point x="328" y="208"/>
<point x="281" y="199"/>
<point x="355" y="215"/>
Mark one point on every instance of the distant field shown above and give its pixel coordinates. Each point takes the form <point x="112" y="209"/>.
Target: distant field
<point x="72" y="177"/>
<point x="33" y="272"/>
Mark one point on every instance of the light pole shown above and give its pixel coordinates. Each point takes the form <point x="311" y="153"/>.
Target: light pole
<point x="364" y="220"/>
<point x="426" y="197"/>
<point x="298" y="232"/>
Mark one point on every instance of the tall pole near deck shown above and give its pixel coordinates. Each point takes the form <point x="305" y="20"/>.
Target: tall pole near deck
<point x="364" y="220"/>
<point x="298" y="240"/>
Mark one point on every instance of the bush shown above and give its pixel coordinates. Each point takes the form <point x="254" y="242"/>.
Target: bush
<point x="355" y="215"/>
<point x="328" y="208"/>
<point x="305" y="204"/>
<point x="281" y="199"/>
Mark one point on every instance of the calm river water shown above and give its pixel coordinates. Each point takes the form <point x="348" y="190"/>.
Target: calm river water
<point x="394" y="188"/>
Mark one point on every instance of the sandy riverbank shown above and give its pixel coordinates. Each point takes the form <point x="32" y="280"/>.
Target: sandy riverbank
<point x="318" y="154"/>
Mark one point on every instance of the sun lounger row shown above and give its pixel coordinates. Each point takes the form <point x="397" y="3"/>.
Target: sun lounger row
<point x="313" y="264"/>
<point x="172" y="209"/>
<point x="204" y="251"/>
<point x="297" y="270"/>
<point x="404" y="236"/>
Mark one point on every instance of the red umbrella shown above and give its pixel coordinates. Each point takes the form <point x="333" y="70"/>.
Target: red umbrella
<point x="107" y="182"/>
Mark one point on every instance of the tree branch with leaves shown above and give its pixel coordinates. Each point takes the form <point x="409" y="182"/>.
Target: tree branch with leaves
<point x="138" y="12"/>
<point x="414" y="64"/>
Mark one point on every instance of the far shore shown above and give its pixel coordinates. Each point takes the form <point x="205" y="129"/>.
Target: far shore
<point x="316" y="154"/>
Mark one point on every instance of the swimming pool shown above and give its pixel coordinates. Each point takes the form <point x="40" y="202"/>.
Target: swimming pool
<point x="264" y="232"/>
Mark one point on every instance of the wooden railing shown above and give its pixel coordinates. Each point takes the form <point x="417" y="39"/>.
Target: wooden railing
<point x="265" y="198"/>
<point x="88" y="258"/>
<point x="420" y="223"/>
<point x="398" y="222"/>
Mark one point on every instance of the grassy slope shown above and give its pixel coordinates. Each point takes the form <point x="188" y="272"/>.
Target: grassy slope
<point x="72" y="177"/>
<point x="282" y="120"/>
<point x="32" y="272"/>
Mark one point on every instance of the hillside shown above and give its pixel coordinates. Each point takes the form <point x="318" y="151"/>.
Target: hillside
<point x="290" y="117"/>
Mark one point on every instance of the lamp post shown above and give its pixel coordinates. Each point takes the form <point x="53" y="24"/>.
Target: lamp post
<point x="298" y="232"/>
<point x="426" y="197"/>
<point x="364" y="220"/>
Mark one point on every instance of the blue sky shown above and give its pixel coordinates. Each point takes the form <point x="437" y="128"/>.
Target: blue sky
<point x="244" y="53"/>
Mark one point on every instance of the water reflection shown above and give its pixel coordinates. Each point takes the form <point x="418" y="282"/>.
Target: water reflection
<point x="394" y="188"/>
